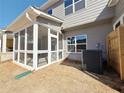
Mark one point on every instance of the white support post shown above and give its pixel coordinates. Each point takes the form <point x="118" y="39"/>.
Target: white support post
<point x="57" y="46"/>
<point x="63" y="47"/>
<point x="13" y="47"/>
<point x="35" y="45"/>
<point x="25" y="46"/>
<point x="75" y="45"/>
<point x="4" y="42"/>
<point x="0" y="44"/>
<point x="18" y="47"/>
<point x="49" y="47"/>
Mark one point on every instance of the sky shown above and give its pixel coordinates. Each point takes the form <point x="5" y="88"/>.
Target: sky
<point x="10" y="9"/>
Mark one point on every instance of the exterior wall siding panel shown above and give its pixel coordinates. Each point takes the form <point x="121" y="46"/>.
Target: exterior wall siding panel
<point x="95" y="34"/>
<point x="95" y="10"/>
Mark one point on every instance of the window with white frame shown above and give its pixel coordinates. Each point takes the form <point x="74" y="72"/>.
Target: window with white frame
<point x="72" y="6"/>
<point x="76" y="43"/>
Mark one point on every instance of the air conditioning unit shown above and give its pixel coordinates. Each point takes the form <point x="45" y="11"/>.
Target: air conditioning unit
<point x="92" y="61"/>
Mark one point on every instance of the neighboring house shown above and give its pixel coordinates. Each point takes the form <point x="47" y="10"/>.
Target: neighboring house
<point x="61" y="29"/>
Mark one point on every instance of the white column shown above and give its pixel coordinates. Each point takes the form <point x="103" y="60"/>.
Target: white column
<point x="49" y="46"/>
<point x="13" y="47"/>
<point x="18" y="46"/>
<point x="0" y="44"/>
<point x="35" y="45"/>
<point x="57" y="46"/>
<point x="4" y="42"/>
<point x="63" y="47"/>
<point x="25" y="46"/>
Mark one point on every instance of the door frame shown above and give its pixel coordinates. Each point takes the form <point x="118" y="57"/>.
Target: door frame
<point x="50" y="35"/>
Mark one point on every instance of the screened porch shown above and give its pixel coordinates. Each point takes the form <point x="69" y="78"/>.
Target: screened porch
<point x="37" y="46"/>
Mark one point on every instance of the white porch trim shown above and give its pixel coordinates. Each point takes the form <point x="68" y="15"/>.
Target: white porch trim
<point x="4" y="45"/>
<point x="35" y="13"/>
<point x="35" y="45"/>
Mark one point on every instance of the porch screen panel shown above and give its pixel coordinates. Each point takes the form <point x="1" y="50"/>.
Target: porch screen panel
<point x="29" y="59"/>
<point x="53" y="56"/>
<point x="22" y="40"/>
<point x="16" y="41"/>
<point x="42" y="38"/>
<point x="60" y="41"/>
<point x="53" y="44"/>
<point x="53" y="49"/>
<point x="22" y="57"/>
<point x="42" y="59"/>
<point x="60" y="55"/>
<point x="30" y="38"/>
<point x="16" y="56"/>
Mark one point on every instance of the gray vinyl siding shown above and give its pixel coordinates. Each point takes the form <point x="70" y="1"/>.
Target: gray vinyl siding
<point x="119" y="9"/>
<point x="95" y="10"/>
<point x="58" y="10"/>
<point x="95" y="34"/>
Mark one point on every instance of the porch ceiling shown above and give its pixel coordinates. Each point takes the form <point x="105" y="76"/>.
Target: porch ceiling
<point x="28" y="17"/>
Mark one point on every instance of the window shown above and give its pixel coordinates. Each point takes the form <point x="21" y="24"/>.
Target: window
<point x="68" y="2"/>
<point x="76" y="0"/>
<point x="76" y="43"/>
<point x="79" y="4"/>
<point x="50" y="11"/>
<point x="72" y="6"/>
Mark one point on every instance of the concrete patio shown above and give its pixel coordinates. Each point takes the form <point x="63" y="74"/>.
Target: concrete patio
<point x="57" y="78"/>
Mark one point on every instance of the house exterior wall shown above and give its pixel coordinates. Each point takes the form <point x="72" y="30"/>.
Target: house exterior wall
<point x="119" y="10"/>
<point x="95" y="10"/>
<point x="95" y="34"/>
<point x="58" y="10"/>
